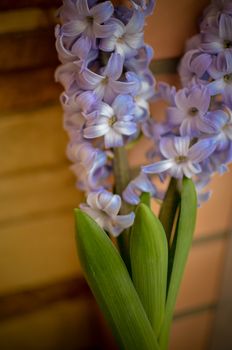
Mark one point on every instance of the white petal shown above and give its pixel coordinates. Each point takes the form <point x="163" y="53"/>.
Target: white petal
<point x="182" y="145"/>
<point x="96" y="131"/>
<point x="158" y="167"/>
<point x="113" y="139"/>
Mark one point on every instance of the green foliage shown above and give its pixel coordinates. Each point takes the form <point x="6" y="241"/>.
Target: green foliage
<point x="112" y="287"/>
<point x="183" y="241"/>
<point x="149" y="260"/>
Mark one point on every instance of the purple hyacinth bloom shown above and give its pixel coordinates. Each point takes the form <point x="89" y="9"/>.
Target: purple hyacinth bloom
<point x="221" y="72"/>
<point x="104" y="207"/>
<point x="201" y="182"/>
<point x="194" y="66"/>
<point x="85" y="102"/>
<point x="106" y="84"/>
<point x="218" y="161"/>
<point x="218" y="38"/>
<point x="217" y="7"/>
<point x="221" y="126"/>
<point x="89" y="164"/>
<point x="113" y="122"/>
<point x="141" y="61"/>
<point x="78" y="51"/>
<point x="76" y="107"/>
<point x="126" y="39"/>
<point x="191" y="105"/>
<point x="143" y="95"/>
<point x="79" y="19"/>
<point x="181" y="158"/>
<point x="136" y="187"/>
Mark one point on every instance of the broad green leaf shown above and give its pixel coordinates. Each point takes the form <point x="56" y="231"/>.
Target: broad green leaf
<point x="185" y="230"/>
<point x="146" y="198"/>
<point x="112" y="287"/>
<point x="149" y="260"/>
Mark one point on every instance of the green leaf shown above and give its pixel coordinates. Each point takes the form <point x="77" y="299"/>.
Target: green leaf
<point x="146" y="198"/>
<point x="169" y="208"/>
<point x="112" y="287"/>
<point x="185" y="230"/>
<point x="149" y="260"/>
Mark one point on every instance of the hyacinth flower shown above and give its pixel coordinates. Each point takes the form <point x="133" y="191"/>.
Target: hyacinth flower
<point x="126" y="251"/>
<point x="221" y="73"/>
<point x="218" y="38"/>
<point x="126" y="38"/>
<point x="191" y="106"/>
<point x="104" y="207"/>
<point x="113" y="122"/>
<point x="181" y="158"/>
<point x="80" y="19"/>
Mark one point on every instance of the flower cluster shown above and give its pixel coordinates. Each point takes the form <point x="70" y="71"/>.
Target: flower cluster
<point x="195" y="140"/>
<point x="107" y="85"/>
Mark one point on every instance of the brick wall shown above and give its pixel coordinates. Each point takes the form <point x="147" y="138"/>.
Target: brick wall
<point x="44" y="302"/>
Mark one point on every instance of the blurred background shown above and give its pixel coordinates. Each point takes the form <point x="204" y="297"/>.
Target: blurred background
<point x="44" y="300"/>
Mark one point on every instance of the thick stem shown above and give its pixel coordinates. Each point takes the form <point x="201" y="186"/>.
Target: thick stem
<point x="121" y="174"/>
<point x="122" y="178"/>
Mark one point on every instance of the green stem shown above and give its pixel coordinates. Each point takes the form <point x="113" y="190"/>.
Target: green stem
<point x="179" y="251"/>
<point x="169" y="207"/>
<point x="122" y="178"/>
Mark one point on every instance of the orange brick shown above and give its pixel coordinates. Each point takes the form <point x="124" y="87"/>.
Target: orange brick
<point x="215" y="215"/>
<point x="202" y="277"/>
<point x="192" y="332"/>
<point x="171" y="24"/>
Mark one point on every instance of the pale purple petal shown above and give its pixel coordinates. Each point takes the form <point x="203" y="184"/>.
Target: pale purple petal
<point x="108" y="44"/>
<point x="181" y="145"/>
<point x="181" y="99"/>
<point x="158" y="167"/>
<point x="82" y="47"/>
<point x="102" y="12"/>
<point x="216" y="87"/>
<point x="135" y="41"/>
<point x="167" y="148"/>
<point x="201" y="150"/>
<point x="91" y="79"/>
<point x="91" y="132"/>
<point x="103" y="31"/>
<point x="113" y="139"/>
<point x="106" y="110"/>
<point x="83" y="7"/>
<point x="113" y="206"/>
<point x="121" y="87"/>
<point x="225" y="27"/>
<point x="85" y="101"/>
<point x="130" y="194"/>
<point x="121" y="222"/>
<point x="109" y="93"/>
<point x="136" y="23"/>
<point x="123" y="104"/>
<point x="93" y="213"/>
<point x="191" y="127"/>
<point x="211" y="43"/>
<point x="125" y="128"/>
<point x="74" y="28"/>
<point x="175" y="115"/>
<point x="201" y="63"/>
<point x="190" y="169"/>
<point x="93" y="200"/>
<point x="114" y="67"/>
<point x="199" y="98"/>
